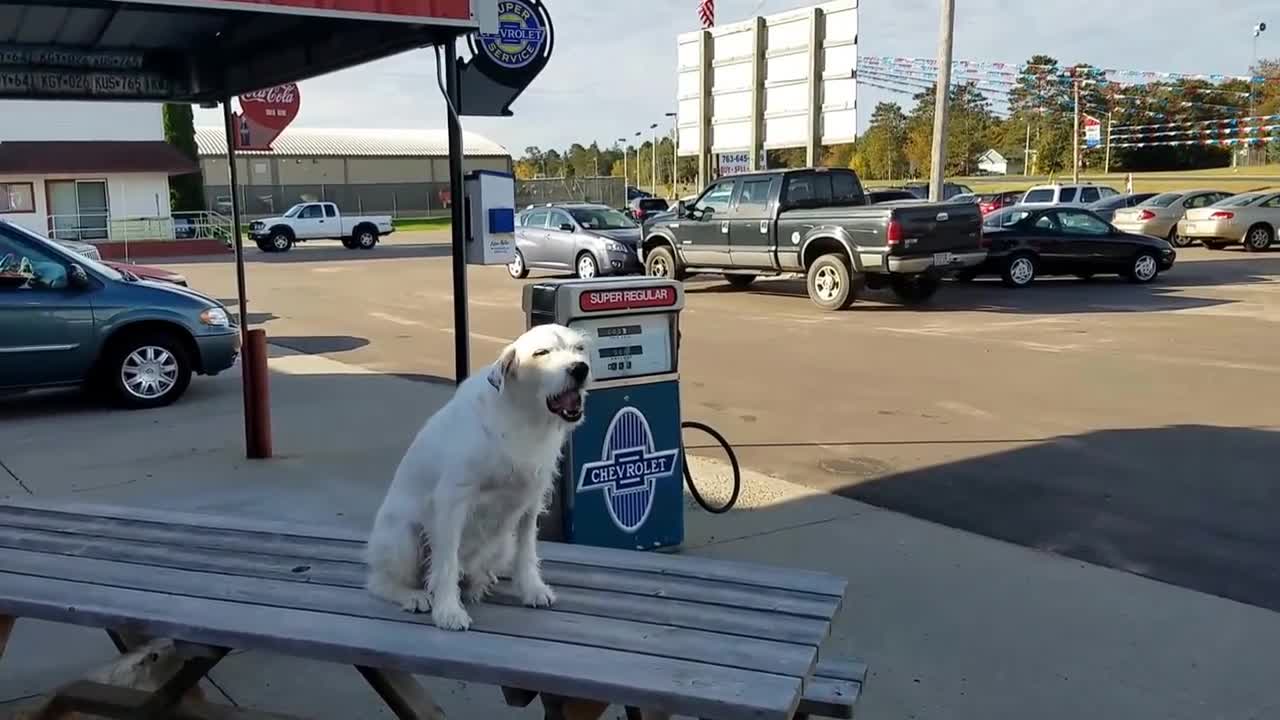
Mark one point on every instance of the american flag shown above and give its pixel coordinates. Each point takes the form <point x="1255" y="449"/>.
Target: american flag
<point x="707" y="12"/>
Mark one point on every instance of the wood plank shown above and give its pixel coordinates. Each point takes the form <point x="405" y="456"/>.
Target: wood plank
<point x="402" y="693"/>
<point x="831" y="698"/>
<point x="335" y="537"/>
<point x="675" y="686"/>
<point x="603" y="603"/>
<point x="842" y="669"/>
<point x="350" y="574"/>
<point x="547" y="624"/>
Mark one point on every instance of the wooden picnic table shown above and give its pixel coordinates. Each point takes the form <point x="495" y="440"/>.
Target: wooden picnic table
<point x="660" y="634"/>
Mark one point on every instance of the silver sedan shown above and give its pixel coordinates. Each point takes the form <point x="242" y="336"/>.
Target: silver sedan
<point x="1159" y="215"/>
<point x="586" y="239"/>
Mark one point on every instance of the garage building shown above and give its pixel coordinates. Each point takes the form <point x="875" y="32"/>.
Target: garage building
<point x="404" y="173"/>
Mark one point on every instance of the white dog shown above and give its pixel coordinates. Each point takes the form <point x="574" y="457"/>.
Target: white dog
<point x="475" y="479"/>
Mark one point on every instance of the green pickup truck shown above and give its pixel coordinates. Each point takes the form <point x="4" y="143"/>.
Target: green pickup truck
<point x="66" y="319"/>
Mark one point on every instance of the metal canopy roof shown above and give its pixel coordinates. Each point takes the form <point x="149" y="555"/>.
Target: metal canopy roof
<point x="200" y="50"/>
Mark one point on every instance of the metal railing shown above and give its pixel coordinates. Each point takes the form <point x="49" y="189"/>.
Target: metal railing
<point x="102" y="227"/>
<point x="609" y="191"/>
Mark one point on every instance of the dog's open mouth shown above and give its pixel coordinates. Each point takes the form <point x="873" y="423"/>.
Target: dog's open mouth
<point x="568" y="405"/>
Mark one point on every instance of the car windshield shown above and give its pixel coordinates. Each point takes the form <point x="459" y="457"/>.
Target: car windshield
<point x="1240" y="200"/>
<point x="602" y="219"/>
<point x="293" y="211"/>
<point x="1162" y="200"/>
<point x="79" y="259"/>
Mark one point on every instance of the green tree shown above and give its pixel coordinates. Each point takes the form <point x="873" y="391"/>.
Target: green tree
<point x="186" y="192"/>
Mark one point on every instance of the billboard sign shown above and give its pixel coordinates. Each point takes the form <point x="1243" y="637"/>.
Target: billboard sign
<point x="1092" y="131"/>
<point x="734" y="163"/>
<point x="414" y="11"/>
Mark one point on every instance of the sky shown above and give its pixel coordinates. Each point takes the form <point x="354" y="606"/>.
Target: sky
<point x="613" y="71"/>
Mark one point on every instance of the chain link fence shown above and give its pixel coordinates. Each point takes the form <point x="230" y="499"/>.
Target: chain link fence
<point x="406" y="200"/>
<point x="399" y="200"/>
<point x="609" y="191"/>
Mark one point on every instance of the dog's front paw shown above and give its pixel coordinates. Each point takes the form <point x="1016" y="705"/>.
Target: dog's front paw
<point x="450" y="616"/>
<point x="536" y="593"/>
<point x="416" y="601"/>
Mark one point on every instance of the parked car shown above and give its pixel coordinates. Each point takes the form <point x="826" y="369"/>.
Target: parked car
<point x="1106" y="207"/>
<point x="990" y="202"/>
<point x="949" y="190"/>
<point x="319" y="221"/>
<point x="1027" y="242"/>
<point x="816" y="221"/>
<point x="70" y="320"/>
<point x="583" y="238"/>
<point x="635" y="192"/>
<point x="880" y="195"/>
<point x="1159" y="215"/>
<point x="641" y="209"/>
<point x="1252" y="219"/>
<point x="1069" y="195"/>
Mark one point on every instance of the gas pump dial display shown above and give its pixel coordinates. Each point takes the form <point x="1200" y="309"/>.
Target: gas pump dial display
<point x="628" y="345"/>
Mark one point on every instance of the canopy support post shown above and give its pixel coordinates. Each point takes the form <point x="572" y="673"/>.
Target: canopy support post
<point x="457" y="206"/>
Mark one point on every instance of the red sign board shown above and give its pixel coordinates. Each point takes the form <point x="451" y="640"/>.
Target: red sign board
<point x="627" y="298"/>
<point x="451" y="11"/>
<point x="264" y="114"/>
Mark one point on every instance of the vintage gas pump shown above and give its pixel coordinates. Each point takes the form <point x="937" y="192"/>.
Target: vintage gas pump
<point x="621" y="475"/>
<point x="489" y="211"/>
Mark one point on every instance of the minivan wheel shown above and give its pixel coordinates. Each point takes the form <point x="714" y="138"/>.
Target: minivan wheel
<point x="146" y="370"/>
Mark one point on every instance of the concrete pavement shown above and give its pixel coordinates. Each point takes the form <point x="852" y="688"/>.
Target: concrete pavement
<point x="953" y="625"/>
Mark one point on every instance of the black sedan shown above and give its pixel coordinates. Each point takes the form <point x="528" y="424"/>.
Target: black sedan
<point x="1025" y="243"/>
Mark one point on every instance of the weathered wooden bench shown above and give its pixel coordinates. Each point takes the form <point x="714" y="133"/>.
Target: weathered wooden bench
<point x="658" y="634"/>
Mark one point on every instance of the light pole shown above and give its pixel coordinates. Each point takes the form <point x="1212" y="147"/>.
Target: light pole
<point x="625" y="180"/>
<point x="675" y="155"/>
<point x="1257" y="31"/>
<point x="654" y="129"/>
<point x="638" y="135"/>
<point x="942" y="101"/>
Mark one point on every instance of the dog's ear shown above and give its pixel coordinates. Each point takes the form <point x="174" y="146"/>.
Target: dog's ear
<point x="503" y="368"/>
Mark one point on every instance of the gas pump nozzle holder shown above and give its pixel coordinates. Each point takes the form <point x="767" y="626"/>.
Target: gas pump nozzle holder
<point x="621" y="481"/>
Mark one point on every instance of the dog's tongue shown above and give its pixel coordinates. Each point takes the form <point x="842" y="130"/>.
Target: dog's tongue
<point x="568" y="401"/>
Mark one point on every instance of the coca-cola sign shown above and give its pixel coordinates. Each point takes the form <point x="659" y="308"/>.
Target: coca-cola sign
<point x="265" y="114"/>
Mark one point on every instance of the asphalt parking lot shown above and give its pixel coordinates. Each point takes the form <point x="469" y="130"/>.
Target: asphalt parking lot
<point x="1130" y="426"/>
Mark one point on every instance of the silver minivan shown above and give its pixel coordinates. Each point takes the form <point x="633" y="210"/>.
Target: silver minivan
<point x="583" y="238"/>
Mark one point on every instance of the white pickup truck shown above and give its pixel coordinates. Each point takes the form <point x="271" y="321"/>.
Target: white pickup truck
<point x="319" y="221"/>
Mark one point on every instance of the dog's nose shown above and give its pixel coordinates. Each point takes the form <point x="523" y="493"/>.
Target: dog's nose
<point x="579" y="371"/>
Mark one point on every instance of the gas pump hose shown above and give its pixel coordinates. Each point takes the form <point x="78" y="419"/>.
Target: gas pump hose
<point x="733" y="463"/>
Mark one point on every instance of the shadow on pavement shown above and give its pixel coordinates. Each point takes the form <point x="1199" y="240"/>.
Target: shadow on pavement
<point x="1191" y="505"/>
<point x="303" y="253"/>
<point x="1047" y="296"/>
<point x="319" y="344"/>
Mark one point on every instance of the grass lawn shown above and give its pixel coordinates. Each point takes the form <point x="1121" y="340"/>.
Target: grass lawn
<point x="1228" y="179"/>
<point x="435" y="223"/>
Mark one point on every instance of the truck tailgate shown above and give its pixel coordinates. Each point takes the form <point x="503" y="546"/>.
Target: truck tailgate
<point x="937" y="227"/>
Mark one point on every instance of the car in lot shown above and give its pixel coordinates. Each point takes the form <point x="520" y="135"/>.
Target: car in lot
<point x="641" y="209"/>
<point x="319" y="221"/>
<point x="881" y="195"/>
<point x="1024" y="243"/>
<point x="1070" y="195"/>
<point x="990" y="202"/>
<point x="583" y="238"/>
<point x="1251" y="219"/>
<point x="137" y="272"/>
<point x="1159" y="214"/>
<point x="949" y="190"/>
<point x="70" y="320"/>
<point x="1106" y="207"/>
<point x="814" y="221"/>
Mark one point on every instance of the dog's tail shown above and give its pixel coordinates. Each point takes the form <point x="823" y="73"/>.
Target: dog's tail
<point x="394" y="554"/>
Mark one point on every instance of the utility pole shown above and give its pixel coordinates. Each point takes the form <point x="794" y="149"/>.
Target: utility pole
<point x="625" y="178"/>
<point x="1075" y="136"/>
<point x="1026" y="153"/>
<point x="1106" y="164"/>
<point x="942" y="101"/>
<point x="1257" y="31"/>
<point x="654" y="129"/>
<point x="675" y="154"/>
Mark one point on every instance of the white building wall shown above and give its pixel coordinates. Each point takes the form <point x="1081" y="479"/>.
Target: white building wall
<point x="33" y="221"/>
<point x="129" y="195"/>
<point x="31" y="120"/>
